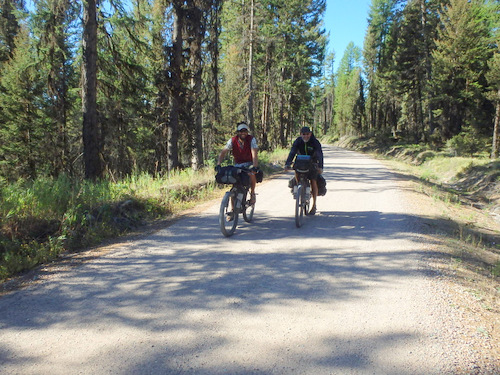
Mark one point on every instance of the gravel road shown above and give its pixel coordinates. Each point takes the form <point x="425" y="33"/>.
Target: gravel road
<point x="345" y="294"/>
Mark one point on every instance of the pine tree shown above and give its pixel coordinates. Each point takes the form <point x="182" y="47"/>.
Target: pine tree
<point x="52" y="25"/>
<point x="379" y="46"/>
<point x="9" y="27"/>
<point x="21" y="136"/>
<point x="494" y="82"/>
<point x="125" y="93"/>
<point x="412" y="68"/>
<point x="462" y="51"/>
<point x="349" y="102"/>
<point x="493" y="77"/>
<point x="159" y="61"/>
<point x="212" y="108"/>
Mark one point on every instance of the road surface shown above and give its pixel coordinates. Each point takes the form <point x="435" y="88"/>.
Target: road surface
<point x="345" y="294"/>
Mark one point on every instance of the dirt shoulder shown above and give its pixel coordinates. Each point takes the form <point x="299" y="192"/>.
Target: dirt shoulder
<point x="464" y="251"/>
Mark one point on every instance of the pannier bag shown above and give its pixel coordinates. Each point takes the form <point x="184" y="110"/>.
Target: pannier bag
<point x="302" y="163"/>
<point x="228" y="175"/>
<point x="321" y="185"/>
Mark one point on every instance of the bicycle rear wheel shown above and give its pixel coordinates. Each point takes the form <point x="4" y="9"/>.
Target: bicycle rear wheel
<point x="228" y="217"/>
<point x="299" y="206"/>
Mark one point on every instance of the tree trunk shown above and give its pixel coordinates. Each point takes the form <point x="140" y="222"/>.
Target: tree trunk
<point x="250" y="70"/>
<point x="91" y="133"/>
<point x="162" y="98"/>
<point x="176" y="88"/>
<point x="215" y="112"/>
<point x="266" y="103"/>
<point x="197" y="31"/>
<point x="494" y="148"/>
<point x="428" y="66"/>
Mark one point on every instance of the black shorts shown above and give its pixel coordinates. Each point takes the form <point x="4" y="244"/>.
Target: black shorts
<point x="313" y="172"/>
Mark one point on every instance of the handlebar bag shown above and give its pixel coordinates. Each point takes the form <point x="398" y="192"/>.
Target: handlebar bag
<point x="303" y="163"/>
<point x="228" y="175"/>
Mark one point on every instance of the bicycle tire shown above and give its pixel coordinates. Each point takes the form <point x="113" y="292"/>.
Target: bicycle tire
<point x="227" y="227"/>
<point x="299" y="207"/>
<point x="306" y="202"/>
<point x="248" y="212"/>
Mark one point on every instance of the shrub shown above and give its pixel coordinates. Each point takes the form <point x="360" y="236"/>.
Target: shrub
<point x="467" y="143"/>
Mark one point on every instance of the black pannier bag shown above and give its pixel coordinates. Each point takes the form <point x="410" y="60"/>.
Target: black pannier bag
<point x="228" y="175"/>
<point x="321" y="185"/>
<point x="303" y="163"/>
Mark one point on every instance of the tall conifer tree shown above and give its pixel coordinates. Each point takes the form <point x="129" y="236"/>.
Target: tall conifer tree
<point x="460" y="58"/>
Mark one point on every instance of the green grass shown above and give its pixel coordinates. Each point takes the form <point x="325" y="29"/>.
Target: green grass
<point x="41" y="219"/>
<point x="445" y="169"/>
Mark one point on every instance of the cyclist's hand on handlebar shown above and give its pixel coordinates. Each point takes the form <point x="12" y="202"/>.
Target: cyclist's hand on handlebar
<point x="288" y="167"/>
<point x="320" y="170"/>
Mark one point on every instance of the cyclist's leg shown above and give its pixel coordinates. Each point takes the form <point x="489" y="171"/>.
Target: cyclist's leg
<point x="253" y="182"/>
<point x="313" y="178"/>
<point x="314" y="189"/>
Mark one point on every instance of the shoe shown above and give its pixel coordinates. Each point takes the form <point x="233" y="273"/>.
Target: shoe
<point x="230" y="216"/>
<point x="252" y="200"/>
<point x="312" y="211"/>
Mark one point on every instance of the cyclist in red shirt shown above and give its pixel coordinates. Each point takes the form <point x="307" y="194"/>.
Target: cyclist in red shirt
<point x="245" y="153"/>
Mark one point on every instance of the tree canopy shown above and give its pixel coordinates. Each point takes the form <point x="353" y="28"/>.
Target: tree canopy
<point x="107" y="89"/>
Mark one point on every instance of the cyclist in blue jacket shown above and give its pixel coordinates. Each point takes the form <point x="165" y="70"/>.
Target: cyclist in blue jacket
<point x="308" y="144"/>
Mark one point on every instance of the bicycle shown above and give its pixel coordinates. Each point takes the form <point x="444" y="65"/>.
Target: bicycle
<point x="302" y="191"/>
<point x="235" y="200"/>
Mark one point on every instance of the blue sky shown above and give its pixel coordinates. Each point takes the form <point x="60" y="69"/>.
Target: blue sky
<point x="346" y="20"/>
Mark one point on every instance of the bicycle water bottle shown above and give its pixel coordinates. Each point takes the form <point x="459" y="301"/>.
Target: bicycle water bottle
<point x="308" y="193"/>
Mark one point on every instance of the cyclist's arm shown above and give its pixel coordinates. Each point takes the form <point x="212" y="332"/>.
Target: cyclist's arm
<point x="255" y="157"/>
<point x="222" y="155"/>
<point x="292" y="153"/>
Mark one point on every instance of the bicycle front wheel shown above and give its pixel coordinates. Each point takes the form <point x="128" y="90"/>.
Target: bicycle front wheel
<point x="228" y="217"/>
<point x="248" y="212"/>
<point x="299" y="206"/>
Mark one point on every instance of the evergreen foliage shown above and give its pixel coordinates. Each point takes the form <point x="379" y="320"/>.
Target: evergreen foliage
<point x="173" y="77"/>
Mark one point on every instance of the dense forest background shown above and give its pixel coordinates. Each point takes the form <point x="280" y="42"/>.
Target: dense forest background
<point x="104" y="89"/>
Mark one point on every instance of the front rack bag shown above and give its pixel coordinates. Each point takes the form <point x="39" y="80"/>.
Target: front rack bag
<point x="303" y="163"/>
